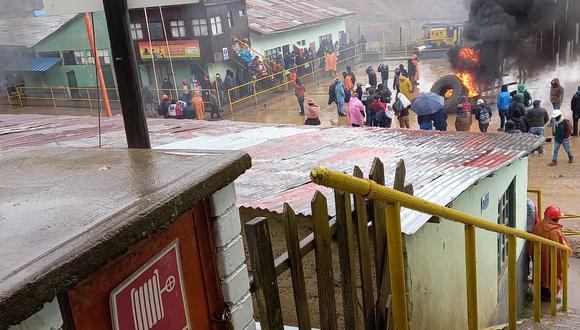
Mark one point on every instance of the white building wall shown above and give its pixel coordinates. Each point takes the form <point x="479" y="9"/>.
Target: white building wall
<point x="435" y="257"/>
<point x="261" y="43"/>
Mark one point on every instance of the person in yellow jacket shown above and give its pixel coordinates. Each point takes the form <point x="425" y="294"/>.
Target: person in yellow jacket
<point x="406" y="87"/>
<point x="197" y="102"/>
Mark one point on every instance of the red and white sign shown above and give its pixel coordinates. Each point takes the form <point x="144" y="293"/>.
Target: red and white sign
<point x="153" y="297"/>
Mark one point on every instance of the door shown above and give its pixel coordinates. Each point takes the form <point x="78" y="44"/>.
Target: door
<point x="73" y="85"/>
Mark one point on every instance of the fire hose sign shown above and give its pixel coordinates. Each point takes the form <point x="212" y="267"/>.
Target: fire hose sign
<point x="153" y="297"/>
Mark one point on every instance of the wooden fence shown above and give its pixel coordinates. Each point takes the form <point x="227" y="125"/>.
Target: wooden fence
<point x="350" y="228"/>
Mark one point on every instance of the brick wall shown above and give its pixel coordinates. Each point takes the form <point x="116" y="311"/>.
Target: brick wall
<point x="231" y="258"/>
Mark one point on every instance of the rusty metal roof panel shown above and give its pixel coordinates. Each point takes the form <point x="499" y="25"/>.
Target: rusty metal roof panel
<point x="274" y="16"/>
<point x="440" y="165"/>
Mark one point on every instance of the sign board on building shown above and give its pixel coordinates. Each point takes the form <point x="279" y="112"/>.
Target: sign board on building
<point x="62" y="7"/>
<point x="226" y="53"/>
<point x="153" y="297"/>
<point x="485" y="201"/>
<point x="180" y="49"/>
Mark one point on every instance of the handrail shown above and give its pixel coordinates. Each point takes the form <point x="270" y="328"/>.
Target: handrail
<point x="395" y="199"/>
<point x="372" y="190"/>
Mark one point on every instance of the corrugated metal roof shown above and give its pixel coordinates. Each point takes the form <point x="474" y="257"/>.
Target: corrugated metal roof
<point x="41" y="64"/>
<point x="29" y="31"/>
<point x="440" y="165"/>
<point x="274" y="16"/>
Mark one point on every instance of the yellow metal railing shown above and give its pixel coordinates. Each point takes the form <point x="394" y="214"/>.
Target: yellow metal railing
<point x="396" y="199"/>
<point x="89" y="94"/>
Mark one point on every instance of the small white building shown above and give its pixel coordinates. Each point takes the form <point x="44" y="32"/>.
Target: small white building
<point x="278" y="26"/>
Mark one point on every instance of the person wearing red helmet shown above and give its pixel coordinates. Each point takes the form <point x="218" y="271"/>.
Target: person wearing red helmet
<point x="551" y="229"/>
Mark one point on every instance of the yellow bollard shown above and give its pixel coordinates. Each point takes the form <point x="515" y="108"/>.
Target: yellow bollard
<point x="396" y="266"/>
<point x="537" y="281"/>
<point x="565" y="256"/>
<point x="89" y="98"/>
<point x="471" y="277"/>
<point x="540" y="209"/>
<point x="512" y="283"/>
<point x="553" y="279"/>
<point x="230" y="100"/>
<point x="52" y="97"/>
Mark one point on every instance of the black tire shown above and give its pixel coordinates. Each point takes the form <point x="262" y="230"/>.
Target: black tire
<point x="445" y="83"/>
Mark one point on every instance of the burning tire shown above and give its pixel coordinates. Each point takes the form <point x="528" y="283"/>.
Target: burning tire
<point x="451" y="88"/>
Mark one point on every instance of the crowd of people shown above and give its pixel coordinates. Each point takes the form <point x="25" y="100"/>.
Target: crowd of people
<point x="373" y="104"/>
<point x="518" y="114"/>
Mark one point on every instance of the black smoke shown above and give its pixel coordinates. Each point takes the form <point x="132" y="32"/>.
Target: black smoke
<point x="506" y="33"/>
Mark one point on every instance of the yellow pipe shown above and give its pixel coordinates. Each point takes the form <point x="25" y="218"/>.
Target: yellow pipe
<point x="565" y="257"/>
<point x="512" y="283"/>
<point x="371" y="190"/>
<point x="396" y="266"/>
<point x="553" y="279"/>
<point x="537" y="281"/>
<point x="471" y="277"/>
<point x="9" y="98"/>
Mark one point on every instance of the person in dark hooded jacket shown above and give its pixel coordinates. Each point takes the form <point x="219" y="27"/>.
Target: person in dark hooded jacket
<point x="440" y="120"/>
<point x="384" y="70"/>
<point x="384" y="92"/>
<point x="517" y="108"/>
<point x="396" y="86"/>
<point x="517" y="113"/>
<point x="372" y="75"/>
<point x="351" y="74"/>
<point x="229" y="83"/>
<point x="403" y="71"/>
<point x="575" y="111"/>
<point x="556" y="94"/>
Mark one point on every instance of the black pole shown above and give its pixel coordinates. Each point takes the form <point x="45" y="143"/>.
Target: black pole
<point x="117" y="15"/>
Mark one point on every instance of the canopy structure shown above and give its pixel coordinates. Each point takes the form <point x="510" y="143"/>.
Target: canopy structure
<point x="41" y="64"/>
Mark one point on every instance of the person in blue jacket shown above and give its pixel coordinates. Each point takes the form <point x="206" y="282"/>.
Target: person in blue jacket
<point x="503" y="105"/>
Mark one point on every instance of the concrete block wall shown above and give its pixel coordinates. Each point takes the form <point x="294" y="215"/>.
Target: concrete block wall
<point x="231" y="258"/>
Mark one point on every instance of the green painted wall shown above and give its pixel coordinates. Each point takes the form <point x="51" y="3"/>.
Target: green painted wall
<point x="311" y="34"/>
<point x="435" y="260"/>
<point x="73" y="36"/>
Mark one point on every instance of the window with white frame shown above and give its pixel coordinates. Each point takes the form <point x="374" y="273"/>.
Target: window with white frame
<point x="90" y="58"/>
<point x="506" y="216"/>
<point x="77" y="55"/>
<point x="177" y="28"/>
<point x="104" y="56"/>
<point x="216" y="25"/>
<point x="272" y="54"/>
<point x="199" y="26"/>
<point x="136" y="31"/>
<point x="230" y="20"/>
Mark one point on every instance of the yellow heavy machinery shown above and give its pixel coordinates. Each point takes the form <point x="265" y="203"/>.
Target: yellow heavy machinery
<point x="444" y="35"/>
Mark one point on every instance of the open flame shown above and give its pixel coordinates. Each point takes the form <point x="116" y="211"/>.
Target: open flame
<point x="469" y="83"/>
<point x="470" y="54"/>
<point x="448" y="93"/>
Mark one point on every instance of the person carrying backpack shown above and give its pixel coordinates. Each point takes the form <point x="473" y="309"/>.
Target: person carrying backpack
<point x="376" y="108"/>
<point x="386" y="117"/>
<point x="562" y="133"/>
<point x="483" y="115"/>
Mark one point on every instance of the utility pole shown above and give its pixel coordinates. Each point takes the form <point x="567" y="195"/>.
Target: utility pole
<point x="117" y="14"/>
